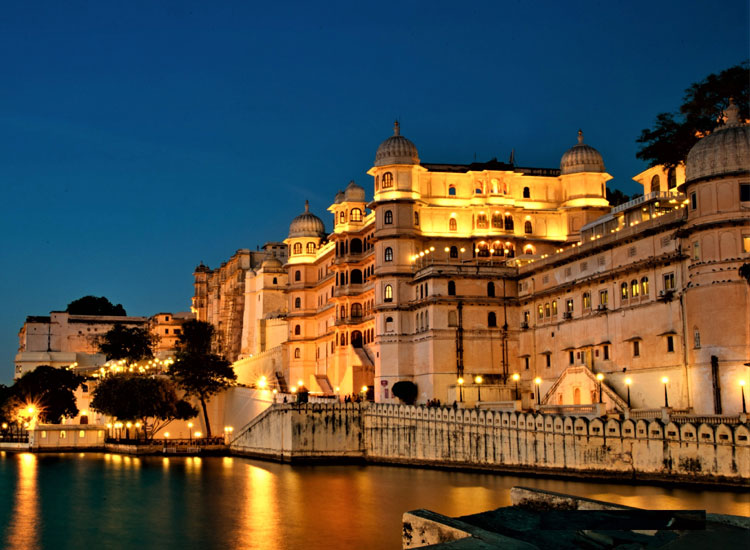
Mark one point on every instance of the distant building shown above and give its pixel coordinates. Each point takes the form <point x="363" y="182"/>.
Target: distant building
<point x="490" y="270"/>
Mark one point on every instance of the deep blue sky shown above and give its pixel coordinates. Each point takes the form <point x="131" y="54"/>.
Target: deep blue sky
<point x="139" y="139"/>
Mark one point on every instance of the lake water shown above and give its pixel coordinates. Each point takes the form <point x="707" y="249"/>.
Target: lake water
<point x="96" y="500"/>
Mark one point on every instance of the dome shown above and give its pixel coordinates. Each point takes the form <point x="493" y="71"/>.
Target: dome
<point x="354" y="193"/>
<point x="396" y="150"/>
<point x="271" y="263"/>
<point x="724" y="151"/>
<point x="307" y="224"/>
<point x="340" y="197"/>
<point x="581" y="158"/>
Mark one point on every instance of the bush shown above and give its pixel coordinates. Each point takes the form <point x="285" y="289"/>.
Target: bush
<point x="406" y="391"/>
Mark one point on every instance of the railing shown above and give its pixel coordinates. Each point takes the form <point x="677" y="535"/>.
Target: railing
<point x="14" y="438"/>
<point x="705" y="419"/>
<point x="644" y="198"/>
<point x="595" y="409"/>
<point x="168" y="442"/>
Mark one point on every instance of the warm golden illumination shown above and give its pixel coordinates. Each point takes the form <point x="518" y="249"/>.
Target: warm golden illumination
<point x="190" y="424"/>
<point x="262" y="382"/>
<point x="299" y="383"/>
<point x="628" y="381"/>
<point x="460" y="381"/>
<point x="664" y="380"/>
<point x="742" y="382"/>
<point x="516" y="377"/>
<point x="166" y="435"/>
<point x="197" y="434"/>
<point x="293" y="389"/>
<point x="477" y="379"/>
<point x="128" y="425"/>
<point x="31" y="409"/>
<point x="600" y="377"/>
<point x="537" y="380"/>
<point x="364" y="389"/>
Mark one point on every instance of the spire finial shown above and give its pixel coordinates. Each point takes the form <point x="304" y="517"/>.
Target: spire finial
<point x="307" y="205"/>
<point x="396" y="128"/>
<point x="580" y="136"/>
<point x="732" y="114"/>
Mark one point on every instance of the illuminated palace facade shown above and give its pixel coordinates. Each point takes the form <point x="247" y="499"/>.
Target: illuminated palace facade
<point x="488" y="269"/>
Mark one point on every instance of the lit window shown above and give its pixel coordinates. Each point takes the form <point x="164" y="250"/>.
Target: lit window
<point x="63" y="435"/>
<point x="388" y="254"/>
<point x="497" y="220"/>
<point x="388" y="217"/>
<point x="669" y="281"/>
<point x="388" y="293"/>
<point x="547" y="310"/>
<point x="342" y="217"/>
<point x="554" y="308"/>
<point x="540" y="311"/>
<point x="527" y="227"/>
<point x="297" y="248"/>
<point x="635" y="289"/>
<point x="452" y="224"/>
<point x="387" y="180"/>
<point x="311" y="248"/>
<point x="644" y="286"/>
<point x="746" y="243"/>
<point x="297" y="353"/>
<point x="624" y="291"/>
<point x="416" y="218"/>
<point x="569" y="305"/>
<point x="603" y="297"/>
<point x="655" y="187"/>
<point x="586" y="300"/>
<point x="482" y="221"/>
<point x="44" y="434"/>
<point x="356" y="215"/>
<point x="81" y="433"/>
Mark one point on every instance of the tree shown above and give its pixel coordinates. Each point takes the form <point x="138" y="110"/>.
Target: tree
<point x="95" y="305"/>
<point x="406" y="391"/>
<point x="196" y="370"/>
<point x="49" y="389"/>
<point x="616" y="197"/>
<point x="674" y="134"/>
<point x="744" y="271"/>
<point x="152" y="400"/>
<point x="130" y="343"/>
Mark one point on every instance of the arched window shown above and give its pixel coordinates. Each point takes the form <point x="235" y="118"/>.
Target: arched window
<point x="377" y="182"/>
<point x="454" y="252"/>
<point x="275" y="281"/>
<point x="388" y="254"/>
<point x="416" y="218"/>
<point x="452" y="224"/>
<point x="526" y="193"/>
<point x="586" y="300"/>
<point x="355" y="246"/>
<point x="527" y="227"/>
<point x="451" y="288"/>
<point x="356" y="310"/>
<point x="343" y="339"/>
<point x="388" y="324"/>
<point x="481" y="221"/>
<point x="478" y="190"/>
<point x="427" y="320"/>
<point x="510" y="250"/>
<point x="388" y="217"/>
<point x="297" y="330"/>
<point x="528" y="249"/>
<point x="644" y="286"/>
<point x="355" y="215"/>
<point x="297" y="303"/>
<point x="497" y="220"/>
<point x="387" y="180"/>
<point x="297" y="275"/>
<point x="342" y="217"/>
<point x="311" y="248"/>
<point x="297" y="353"/>
<point x="491" y="289"/>
<point x="356" y="277"/>
<point x="297" y="248"/>
<point x="635" y="289"/>
<point x="491" y="319"/>
<point x="483" y="250"/>
<point x="342" y="312"/>
<point x="624" y="290"/>
<point x="508" y="222"/>
<point x="452" y="191"/>
<point x="546" y="309"/>
<point x="388" y="293"/>
<point x="655" y="185"/>
<point x="671" y="179"/>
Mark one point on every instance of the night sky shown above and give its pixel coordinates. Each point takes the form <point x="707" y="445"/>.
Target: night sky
<point x="138" y="140"/>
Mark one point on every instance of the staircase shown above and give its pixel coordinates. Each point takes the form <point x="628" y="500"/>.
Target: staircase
<point x="364" y="357"/>
<point x="324" y="384"/>
<point x="281" y="382"/>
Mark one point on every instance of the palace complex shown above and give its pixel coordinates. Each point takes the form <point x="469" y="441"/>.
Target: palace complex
<point x="522" y="283"/>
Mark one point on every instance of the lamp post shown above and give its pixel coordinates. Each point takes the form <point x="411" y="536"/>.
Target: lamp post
<point x="538" y="382"/>
<point x="460" y="390"/>
<point x="190" y="432"/>
<point x="516" y="377"/>
<point x="478" y="382"/>
<point x="599" y="378"/>
<point x="665" y="381"/>
<point x="742" y="391"/>
<point x="628" y="381"/>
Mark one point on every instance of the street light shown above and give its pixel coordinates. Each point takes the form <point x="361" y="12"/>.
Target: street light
<point x="262" y="382"/>
<point x="600" y="377"/>
<point x="516" y="377"/>
<point x="628" y="381"/>
<point x="742" y="390"/>
<point x="665" y="381"/>
<point x="478" y="382"/>
<point x="538" y="382"/>
<point x="190" y="432"/>
<point x="460" y="389"/>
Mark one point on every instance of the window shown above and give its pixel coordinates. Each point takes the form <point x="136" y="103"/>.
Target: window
<point x="297" y="248"/>
<point x="478" y="188"/>
<point x="603" y="297"/>
<point x="644" y="286"/>
<point x="526" y="193"/>
<point x="624" y="291"/>
<point x="297" y="330"/>
<point x="388" y="254"/>
<point x="388" y="217"/>
<point x="491" y="289"/>
<point x="342" y="217"/>
<point x="606" y="352"/>
<point x="81" y="433"/>
<point x="491" y="319"/>
<point x="696" y="250"/>
<point x="744" y="192"/>
<point x="547" y="310"/>
<point x="636" y="348"/>
<point x="275" y="281"/>
<point x="586" y="300"/>
<point x="454" y="252"/>
<point x="63" y="434"/>
<point x="342" y="312"/>
<point x="311" y="248"/>
<point x="357" y="310"/>
<point x="377" y="182"/>
<point x="497" y="220"/>
<point x="297" y="275"/>
<point x="388" y="293"/>
<point x="483" y="250"/>
<point x="569" y="305"/>
<point x="526" y="363"/>
<point x="526" y="317"/>
<point x="452" y="224"/>
<point x="451" y="288"/>
<point x="655" y="187"/>
<point x="528" y="249"/>
<point x="452" y="319"/>
<point x="508" y="222"/>
<point x="297" y="303"/>
<point x="697" y="339"/>
<point x="452" y="191"/>
<point x="635" y="289"/>
<point x="693" y="201"/>
<point x="745" y="243"/>
<point x="671" y="179"/>
<point x="669" y="281"/>
<point x="527" y="228"/>
<point x="571" y="357"/>
<point x="166" y="331"/>
<point x="387" y="180"/>
<point x="356" y="277"/>
<point x="355" y="215"/>
<point x="44" y="434"/>
<point x="554" y="308"/>
<point x="481" y="221"/>
<point x="670" y="343"/>
<point x="416" y="219"/>
<point x="548" y="358"/>
<point x="540" y="311"/>
<point x="388" y="324"/>
<point x="297" y="353"/>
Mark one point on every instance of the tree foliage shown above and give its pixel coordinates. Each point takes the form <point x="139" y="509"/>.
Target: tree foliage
<point x="49" y="389"/>
<point x="406" y="391"/>
<point x="198" y="371"/>
<point x="130" y="343"/>
<point x="152" y="400"/>
<point x="674" y="134"/>
<point x="744" y="271"/>
<point x="94" y="305"/>
<point x="617" y="197"/>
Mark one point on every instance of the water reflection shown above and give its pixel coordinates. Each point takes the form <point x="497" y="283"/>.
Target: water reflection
<point x="22" y="527"/>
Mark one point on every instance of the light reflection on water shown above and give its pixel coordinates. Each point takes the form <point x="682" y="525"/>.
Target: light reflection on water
<point x="112" y="501"/>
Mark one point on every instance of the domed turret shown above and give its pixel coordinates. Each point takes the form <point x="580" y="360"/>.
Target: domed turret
<point x="340" y="197"/>
<point x="396" y="150"/>
<point x="581" y="158"/>
<point x="307" y="224"/>
<point x="271" y="263"/>
<point x="354" y="193"/>
<point x="724" y="151"/>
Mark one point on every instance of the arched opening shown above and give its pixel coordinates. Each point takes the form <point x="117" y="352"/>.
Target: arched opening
<point x="388" y="254"/>
<point x="527" y="227"/>
<point x="356" y="339"/>
<point x="387" y="180"/>
<point x="497" y="220"/>
<point x="388" y="293"/>
<point x="297" y="303"/>
<point x="483" y="250"/>
<point x="355" y="215"/>
<point x="297" y="353"/>
<point x="508" y="222"/>
<point x="297" y="275"/>
<point x="355" y="246"/>
<point x="452" y="191"/>
<point x="454" y="252"/>
<point x="342" y="217"/>
<point x="491" y="319"/>
<point x="491" y="289"/>
<point x="388" y="217"/>
<point x="297" y="249"/>
<point x="655" y="184"/>
<point x="356" y="310"/>
<point x="452" y="224"/>
<point x="526" y="193"/>
<point x="311" y="248"/>
<point x="388" y="324"/>
<point x="356" y="277"/>
<point x="297" y="330"/>
<point x="275" y="281"/>
<point x="577" y="396"/>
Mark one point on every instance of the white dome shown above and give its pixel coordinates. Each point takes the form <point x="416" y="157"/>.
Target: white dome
<point x="581" y="158"/>
<point x="307" y="224"/>
<point x="354" y="193"/>
<point x="724" y="151"/>
<point x="396" y="150"/>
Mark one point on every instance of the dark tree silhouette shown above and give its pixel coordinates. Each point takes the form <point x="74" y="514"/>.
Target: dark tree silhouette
<point x="406" y="391"/>
<point x="130" y="343"/>
<point x="50" y="389"/>
<point x="94" y="305"/>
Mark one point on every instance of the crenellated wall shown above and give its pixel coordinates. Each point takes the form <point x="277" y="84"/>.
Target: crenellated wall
<point x="471" y="438"/>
